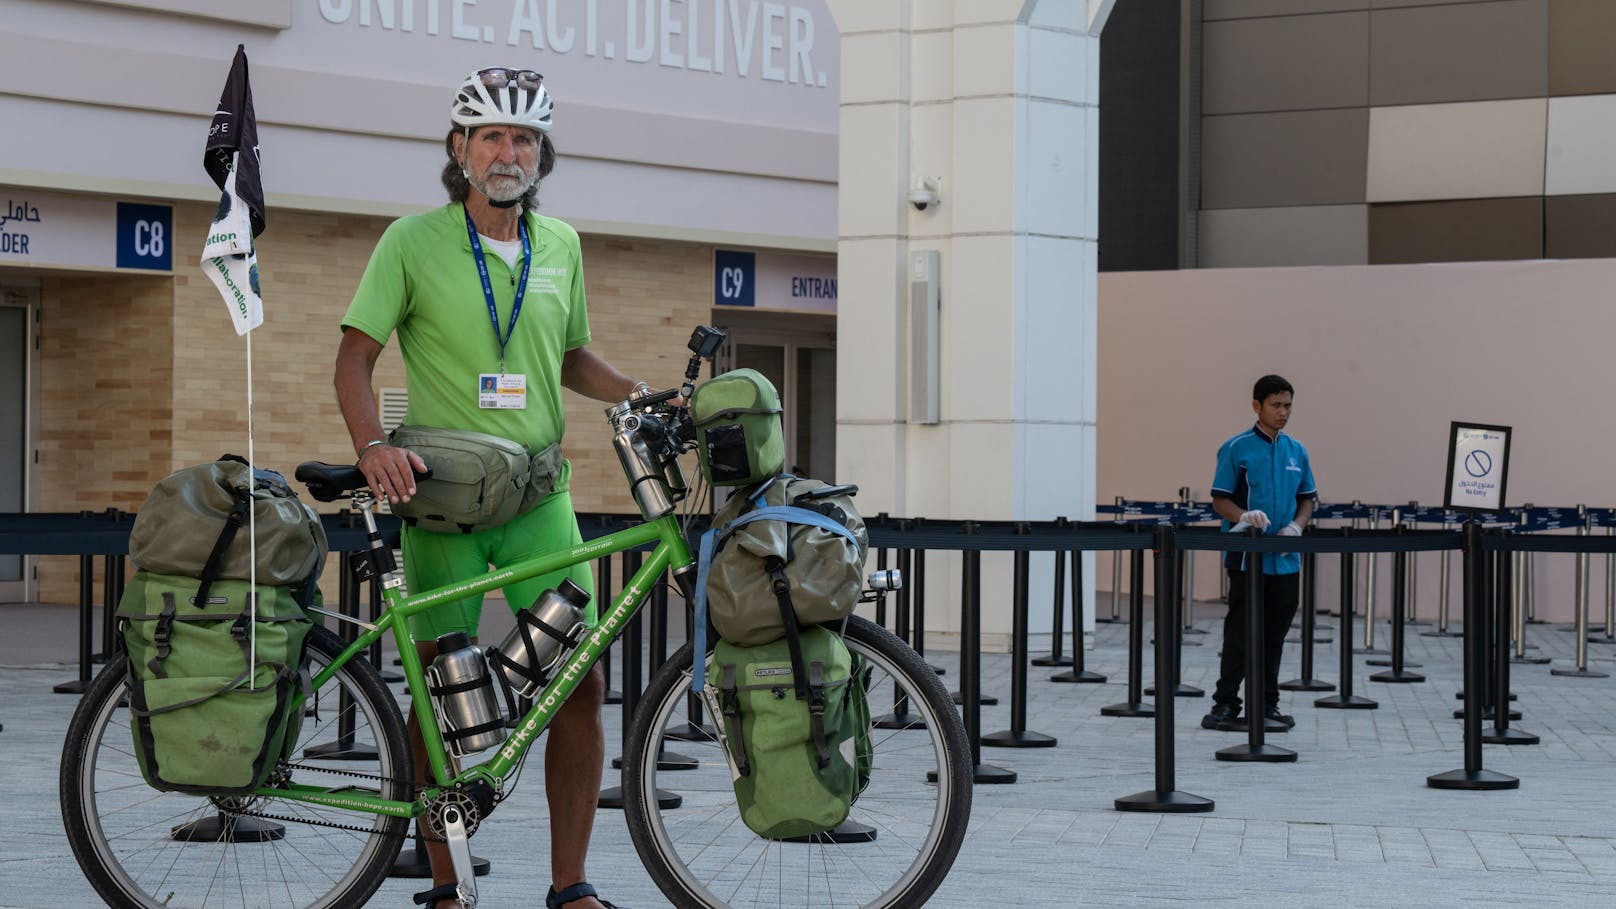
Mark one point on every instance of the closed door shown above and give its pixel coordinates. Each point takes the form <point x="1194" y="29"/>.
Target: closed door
<point x="17" y="303"/>
<point x="803" y="370"/>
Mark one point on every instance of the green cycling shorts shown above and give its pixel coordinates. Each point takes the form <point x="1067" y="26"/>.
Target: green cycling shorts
<point x="433" y="560"/>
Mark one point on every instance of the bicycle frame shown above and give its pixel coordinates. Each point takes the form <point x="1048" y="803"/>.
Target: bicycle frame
<point x="671" y="551"/>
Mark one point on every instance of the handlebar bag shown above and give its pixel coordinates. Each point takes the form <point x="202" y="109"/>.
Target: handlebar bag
<point x="478" y="480"/>
<point x="739" y="438"/>
<point x="799" y="753"/>
<point x="175" y="530"/>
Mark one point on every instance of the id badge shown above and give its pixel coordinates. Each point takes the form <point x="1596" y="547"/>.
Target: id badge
<point x="502" y="391"/>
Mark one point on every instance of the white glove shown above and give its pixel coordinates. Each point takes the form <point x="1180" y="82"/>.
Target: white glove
<point x="1290" y="530"/>
<point x="1255" y="519"/>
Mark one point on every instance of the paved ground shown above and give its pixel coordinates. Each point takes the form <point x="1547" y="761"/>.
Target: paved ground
<point x="1351" y="823"/>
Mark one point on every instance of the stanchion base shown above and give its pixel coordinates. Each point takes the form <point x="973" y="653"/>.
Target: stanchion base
<point x="1173" y="801"/>
<point x="1459" y="696"/>
<point x="848" y="831"/>
<point x="1193" y="631"/>
<point x="222" y="829"/>
<point x="413" y="863"/>
<point x="1114" y="620"/>
<point x="1370" y="651"/>
<point x="613" y="697"/>
<point x="1472" y="779"/>
<point x="1052" y="660"/>
<point x="894" y="721"/>
<point x="1183" y="691"/>
<point x="1347" y="702"/>
<point x="1486" y="714"/>
<point x="1392" y="676"/>
<point x="1580" y="673"/>
<point x="1600" y="639"/>
<point x="336" y="751"/>
<point x="1133" y="709"/>
<point x="1239" y="725"/>
<point x="1010" y="738"/>
<point x="1441" y="634"/>
<point x="1407" y="664"/>
<point x="389" y="676"/>
<point x="986" y="700"/>
<point x="1510" y="736"/>
<point x="987" y="774"/>
<point x="1306" y="685"/>
<point x="77" y="686"/>
<point x="936" y="670"/>
<point x="612" y="797"/>
<point x="1530" y="661"/>
<point x="1267" y="754"/>
<point x="1084" y="676"/>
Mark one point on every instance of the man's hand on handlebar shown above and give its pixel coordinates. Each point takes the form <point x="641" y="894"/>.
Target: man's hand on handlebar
<point x="391" y="471"/>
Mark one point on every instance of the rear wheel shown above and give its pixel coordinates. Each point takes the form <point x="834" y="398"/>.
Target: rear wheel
<point x="903" y="832"/>
<point x="143" y="848"/>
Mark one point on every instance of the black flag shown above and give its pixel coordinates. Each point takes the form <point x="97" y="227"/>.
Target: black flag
<point x="235" y="129"/>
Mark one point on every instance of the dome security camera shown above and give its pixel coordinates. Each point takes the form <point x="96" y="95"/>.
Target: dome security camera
<point x="924" y="194"/>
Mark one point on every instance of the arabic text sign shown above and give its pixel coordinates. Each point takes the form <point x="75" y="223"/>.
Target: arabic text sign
<point x="52" y="230"/>
<point x="1478" y="466"/>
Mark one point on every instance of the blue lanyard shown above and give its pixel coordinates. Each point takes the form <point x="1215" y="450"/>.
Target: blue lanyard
<point x="488" y="287"/>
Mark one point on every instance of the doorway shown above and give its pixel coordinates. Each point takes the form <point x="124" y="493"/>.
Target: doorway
<point x="19" y="302"/>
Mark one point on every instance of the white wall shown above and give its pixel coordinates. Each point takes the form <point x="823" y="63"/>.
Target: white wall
<point x="1383" y="358"/>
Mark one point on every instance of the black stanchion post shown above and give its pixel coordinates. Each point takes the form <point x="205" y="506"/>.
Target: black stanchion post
<point x="633" y="688"/>
<point x="1503" y="621"/>
<point x="1165" y="797"/>
<point x="1057" y="615"/>
<point x="603" y="600"/>
<point x="902" y="608"/>
<point x="918" y="615"/>
<point x="1017" y="736"/>
<point x="1473" y="775"/>
<point x="1078" y="672"/>
<point x="86" y="622"/>
<point x="971" y="663"/>
<point x="1310" y="573"/>
<point x="1256" y="749"/>
<point x="881" y="565"/>
<point x="1135" y="705"/>
<point x="1346" y="700"/>
<point x="1399" y="609"/>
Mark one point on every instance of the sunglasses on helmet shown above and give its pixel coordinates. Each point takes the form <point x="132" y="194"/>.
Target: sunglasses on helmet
<point x="502" y="77"/>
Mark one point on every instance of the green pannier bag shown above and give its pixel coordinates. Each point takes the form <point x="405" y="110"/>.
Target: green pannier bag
<point x="739" y="439"/>
<point x="825" y="569"/>
<point x="175" y="530"/>
<point x="799" y="748"/>
<point x="478" y="480"/>
<point x="201" y="722"/>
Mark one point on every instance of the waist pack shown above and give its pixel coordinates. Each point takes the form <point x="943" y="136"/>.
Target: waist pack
<point x="201" y="722"/>
<point x="175" y="530"/>
<point x="797" y="734"/>
<point x="478" y="480"/>
<point x="800" y="531"/>
<point x="739" y="439"/>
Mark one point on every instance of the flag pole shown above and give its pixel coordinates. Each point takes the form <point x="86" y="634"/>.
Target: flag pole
<point x="252" y="533"/>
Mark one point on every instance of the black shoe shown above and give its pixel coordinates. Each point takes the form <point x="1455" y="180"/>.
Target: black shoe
<point x="1222" y="716"/>
<point x="1272" y="713"/>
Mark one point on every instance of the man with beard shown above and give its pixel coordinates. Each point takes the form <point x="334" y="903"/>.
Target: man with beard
<point x="488" y="258"/>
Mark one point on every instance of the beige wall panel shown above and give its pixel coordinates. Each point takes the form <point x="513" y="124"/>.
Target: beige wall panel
<point x="1247" y="9"/>
<point x="1302" y="235"/>
<point x="1456" y="151"/>
<point x="1465" y="230"/>
<point x="1582" y="145"/>
<point x="877" y="69"/>
<point x="1298" y="158"/>
<point x="1462" y="52"/>
<point x="1579" y="227"/>
<point x="1285" y="63"/>
<point x="1382" y="359"/>
<point x="1580" y="39"/>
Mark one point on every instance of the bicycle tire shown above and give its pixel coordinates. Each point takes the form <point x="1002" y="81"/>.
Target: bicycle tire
<point x="702" y="856"/>
<point x="123" y="832"/>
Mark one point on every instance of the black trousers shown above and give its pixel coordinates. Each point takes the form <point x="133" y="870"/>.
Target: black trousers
<point x="1280" y="593"/>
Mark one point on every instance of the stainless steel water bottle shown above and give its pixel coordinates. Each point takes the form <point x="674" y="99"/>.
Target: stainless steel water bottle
<point x="459" y="681"/>
<point x="545" y="634"/>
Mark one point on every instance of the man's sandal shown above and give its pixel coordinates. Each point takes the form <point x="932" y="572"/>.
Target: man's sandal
<point x="578" y="891"/>
<point x="430" y="898"/>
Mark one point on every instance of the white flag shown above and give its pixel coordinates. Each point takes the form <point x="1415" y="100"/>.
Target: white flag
<point x="229" y="259"/>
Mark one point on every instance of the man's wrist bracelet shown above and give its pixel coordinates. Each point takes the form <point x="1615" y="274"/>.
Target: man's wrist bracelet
<point x="371" y="444"/>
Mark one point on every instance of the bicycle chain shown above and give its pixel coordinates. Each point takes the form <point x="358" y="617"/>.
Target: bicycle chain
<point x="237" y="812"/>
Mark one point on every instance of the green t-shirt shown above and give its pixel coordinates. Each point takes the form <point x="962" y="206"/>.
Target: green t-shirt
<point x="422" y="282"/>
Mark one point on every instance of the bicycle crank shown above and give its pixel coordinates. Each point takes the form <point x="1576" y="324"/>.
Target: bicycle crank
<point x="454" y="829"/>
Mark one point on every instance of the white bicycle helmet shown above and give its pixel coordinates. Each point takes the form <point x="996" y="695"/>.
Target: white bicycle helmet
<point x="502" y="95"/>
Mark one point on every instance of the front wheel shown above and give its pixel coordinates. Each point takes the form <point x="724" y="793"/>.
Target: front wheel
<point x="145" y="849"/>
<point x="897" y="845"/>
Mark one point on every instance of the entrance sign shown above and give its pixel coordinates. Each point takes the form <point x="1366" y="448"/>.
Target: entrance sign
<point x="1478" y="467"/>
<point x="57" y="230"/>
<point x="776" y="281"/>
